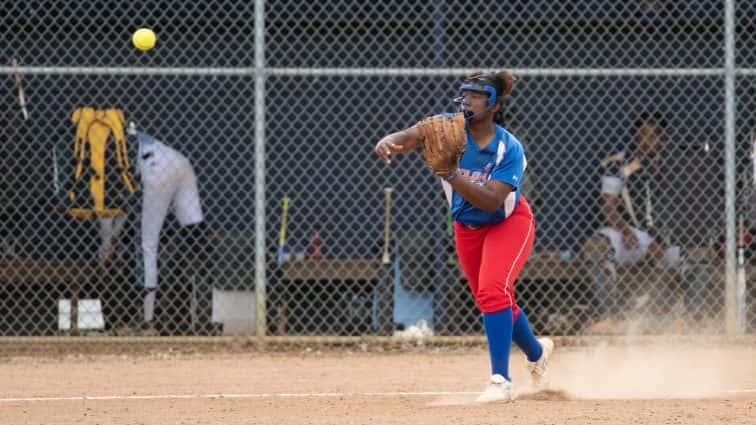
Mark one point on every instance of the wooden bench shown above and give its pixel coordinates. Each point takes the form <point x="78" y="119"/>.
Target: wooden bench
<point x="31" y="288"/>
<point x="324" y="291"/>
<point x="25" y="272"/>
<point x="313" y="291"/>
<point x="360" y="270"/>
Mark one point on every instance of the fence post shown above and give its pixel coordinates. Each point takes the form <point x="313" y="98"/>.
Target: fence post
<point x="731" y="301"/>
<point x="260" y="275"/>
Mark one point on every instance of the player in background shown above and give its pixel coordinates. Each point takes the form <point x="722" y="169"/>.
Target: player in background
<point x="168" y="181"/>
<point x="494" y="225"/>
<point x="630" y="194"/>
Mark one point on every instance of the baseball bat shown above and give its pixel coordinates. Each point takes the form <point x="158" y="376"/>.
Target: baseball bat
<point x="56" y="182"/>
<point x="625" y="172"/>
<point x="282" y="231"/>
<point x="629" y="206"/>
<point x="387" y="226"/>
<point x="20" y="87"/>
<point x="752" y="139"/>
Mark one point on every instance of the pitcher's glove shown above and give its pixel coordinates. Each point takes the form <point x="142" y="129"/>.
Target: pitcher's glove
<point x="444" y="142"/>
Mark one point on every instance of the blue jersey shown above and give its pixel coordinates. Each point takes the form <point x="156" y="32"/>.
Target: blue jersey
<point x="503" y="160"/>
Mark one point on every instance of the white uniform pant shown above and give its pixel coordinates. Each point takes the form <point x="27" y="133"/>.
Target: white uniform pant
<point x="167" y="181"/>
<point x="625" y="256"/>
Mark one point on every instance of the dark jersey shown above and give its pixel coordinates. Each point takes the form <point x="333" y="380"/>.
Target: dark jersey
<point x="642" y="180"/>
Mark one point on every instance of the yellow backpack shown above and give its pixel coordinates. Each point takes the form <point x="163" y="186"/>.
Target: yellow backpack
<point x="102" y="179"/>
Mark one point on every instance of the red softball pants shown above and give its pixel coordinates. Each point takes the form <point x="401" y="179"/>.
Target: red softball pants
<point x="491" y="256"/>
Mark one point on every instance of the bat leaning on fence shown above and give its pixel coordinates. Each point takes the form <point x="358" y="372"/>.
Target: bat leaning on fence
<point x="282" y="232"/>
<point x="20" y="88"/>
<point x="752" y="140"/>
<point x="385" y="291"/>
<point x="386" y="259"/>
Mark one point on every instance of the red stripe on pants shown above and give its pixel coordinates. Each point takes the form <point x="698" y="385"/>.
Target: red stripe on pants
<point x="493" y="255"/>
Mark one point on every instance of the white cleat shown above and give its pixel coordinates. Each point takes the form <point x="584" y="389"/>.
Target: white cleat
<point x="539" y="368"/>
<point x="498" y="389"/>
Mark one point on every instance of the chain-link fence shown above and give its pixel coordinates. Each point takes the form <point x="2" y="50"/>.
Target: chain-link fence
<point x="273" y="130"/>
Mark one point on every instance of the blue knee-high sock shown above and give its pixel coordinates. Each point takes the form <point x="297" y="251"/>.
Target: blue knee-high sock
<point x="523" y="336"/>
<point x="499" y="333"/>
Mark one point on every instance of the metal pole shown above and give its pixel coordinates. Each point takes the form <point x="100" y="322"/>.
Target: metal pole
<point x="369" y="72"/>
<point x="731" y="296"/>
<point x="260" y="275"/>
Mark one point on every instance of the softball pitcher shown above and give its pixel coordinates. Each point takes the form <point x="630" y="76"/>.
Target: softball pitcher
<point x="494" y="225"/>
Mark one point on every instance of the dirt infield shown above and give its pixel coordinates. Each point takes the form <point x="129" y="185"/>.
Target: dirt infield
<point x="599" y="384"/>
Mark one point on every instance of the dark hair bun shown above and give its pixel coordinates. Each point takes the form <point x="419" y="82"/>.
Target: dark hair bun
<point x="507" y="82"/>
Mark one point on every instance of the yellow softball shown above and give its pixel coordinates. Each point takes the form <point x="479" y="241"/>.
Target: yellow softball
<point x="144" y="39"/>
